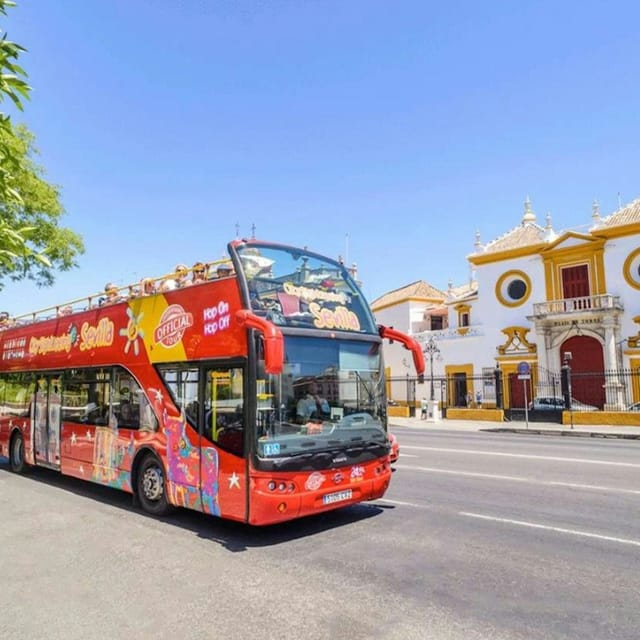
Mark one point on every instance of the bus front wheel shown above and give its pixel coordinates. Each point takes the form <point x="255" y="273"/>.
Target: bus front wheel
<point x="17" y="463"/>
<point x="151" y="488"/>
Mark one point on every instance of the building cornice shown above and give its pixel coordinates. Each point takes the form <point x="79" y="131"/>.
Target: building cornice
<point x="630" y="229"/>
<point x="509" y="254"/>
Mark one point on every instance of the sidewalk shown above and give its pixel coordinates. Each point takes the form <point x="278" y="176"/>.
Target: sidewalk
<point x="534" y="428"/>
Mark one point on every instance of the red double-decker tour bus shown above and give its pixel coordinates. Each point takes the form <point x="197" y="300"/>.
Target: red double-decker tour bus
<point x="258" y="395"/>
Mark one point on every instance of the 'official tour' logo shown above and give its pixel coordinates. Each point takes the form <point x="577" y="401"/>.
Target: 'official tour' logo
<point x="173" y="323"/>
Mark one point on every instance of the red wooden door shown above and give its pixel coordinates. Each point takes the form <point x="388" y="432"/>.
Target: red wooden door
<point x="575" y="281"/>
<point x="587" y="369"/>
<point x="575" y="284"/>
<point x="517" y="392"/>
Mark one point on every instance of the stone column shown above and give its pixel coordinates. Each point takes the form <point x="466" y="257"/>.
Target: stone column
<point x="542" y="344"/>
<point x="543" y="348"/>
<point x="613" y="388"/>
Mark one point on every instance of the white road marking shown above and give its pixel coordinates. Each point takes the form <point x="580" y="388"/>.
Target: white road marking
<point x="405" y="504"/>
<point x="573" y="485"/>
<point x="535" y="525"/>
<point x="524" y="456"/>
<point x="470" y="474"/>
<point x="493" y="476"/>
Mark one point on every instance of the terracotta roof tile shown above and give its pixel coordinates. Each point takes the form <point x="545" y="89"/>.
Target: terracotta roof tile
<point x="418" y="289"/>
<point x="455" y="294"/>
<point x="525" y="234"/>
<point x="627" y="215"/>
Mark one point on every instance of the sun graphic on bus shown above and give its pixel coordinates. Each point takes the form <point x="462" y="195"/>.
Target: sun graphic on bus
<point x="132" y="332"/>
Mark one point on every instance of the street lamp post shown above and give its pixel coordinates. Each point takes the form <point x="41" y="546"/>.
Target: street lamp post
<point x="565" y="382"/>
<point x="431" y="349"/>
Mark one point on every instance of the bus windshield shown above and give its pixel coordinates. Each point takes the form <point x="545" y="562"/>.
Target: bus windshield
<point x="295" y="288"/>
<point x="330" y="398"/>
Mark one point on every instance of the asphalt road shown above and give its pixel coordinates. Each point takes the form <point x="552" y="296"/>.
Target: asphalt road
<point x="494" y="536"/>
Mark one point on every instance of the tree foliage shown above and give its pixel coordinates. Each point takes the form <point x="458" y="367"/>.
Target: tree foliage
<point x="13" y="85"/>
<point x="38" y="246"/>
<point x="32" y="244"/>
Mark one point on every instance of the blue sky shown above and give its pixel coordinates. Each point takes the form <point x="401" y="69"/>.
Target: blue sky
<point x="388" y="131"/>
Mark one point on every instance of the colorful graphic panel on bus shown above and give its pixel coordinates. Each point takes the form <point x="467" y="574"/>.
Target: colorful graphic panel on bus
<point x="187" y="324"/>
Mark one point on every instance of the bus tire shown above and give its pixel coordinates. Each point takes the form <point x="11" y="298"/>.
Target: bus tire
<point x="17" y="462"/>
<point x="151" y="489"/>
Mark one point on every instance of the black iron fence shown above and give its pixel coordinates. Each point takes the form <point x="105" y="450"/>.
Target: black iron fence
<point x="542" y="391"/>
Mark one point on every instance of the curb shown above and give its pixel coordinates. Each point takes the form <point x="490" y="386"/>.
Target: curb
<point x="559" y="432"/>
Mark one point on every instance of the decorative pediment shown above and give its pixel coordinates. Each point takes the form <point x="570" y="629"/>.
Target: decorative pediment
<point x="570" y="240"/>
<point x="516" y="342"/>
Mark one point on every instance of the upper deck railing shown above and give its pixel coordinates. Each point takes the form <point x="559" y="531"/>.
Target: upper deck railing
<point x="115" y="294"/>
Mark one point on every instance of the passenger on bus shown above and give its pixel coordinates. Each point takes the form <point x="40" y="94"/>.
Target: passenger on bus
<point x="112" y="294"/>
<point x="147" y="286"/>
<point x="6" y="321"/>
<point x="67" y="310"/>
<point x="199" y="273"/>
<point x="181" y="271"/>
<point x="178" y="280"/>
<point x="224" y="270"/>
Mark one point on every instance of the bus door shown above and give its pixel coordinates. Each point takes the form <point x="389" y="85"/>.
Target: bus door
<point x="45" y="419"/>
<point x="223" y="477"/>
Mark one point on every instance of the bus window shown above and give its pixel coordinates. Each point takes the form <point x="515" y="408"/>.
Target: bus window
<point x="224" y="408"/>
<point x="129" y="404"/>
<point x="182" y="382"/>
<point x="16" y="393"/>
<point x="85" y="396"/>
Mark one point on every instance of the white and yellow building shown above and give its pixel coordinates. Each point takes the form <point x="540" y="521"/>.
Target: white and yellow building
<point x="536" y="296"/>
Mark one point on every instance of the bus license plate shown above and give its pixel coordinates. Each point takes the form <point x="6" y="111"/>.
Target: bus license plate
<point x="338" y="496"/>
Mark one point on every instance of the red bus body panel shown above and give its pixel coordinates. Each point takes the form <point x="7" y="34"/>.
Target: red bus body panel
<point x="304" y="493"/>
<point x="185" y="324"/>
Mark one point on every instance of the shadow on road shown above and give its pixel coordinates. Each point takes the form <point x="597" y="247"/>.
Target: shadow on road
<point x="234" y="536"/>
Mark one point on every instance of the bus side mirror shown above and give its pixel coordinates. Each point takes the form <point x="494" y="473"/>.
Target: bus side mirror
<point x="409" y="343"/>
<point x="273" y="340"/>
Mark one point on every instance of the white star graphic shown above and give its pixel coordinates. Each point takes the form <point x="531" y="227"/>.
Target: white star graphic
<point x="74" y="437"/>
<point x="81" y="469"/>
<point x="158" y="394"/>
<point x="89" y="438"/>
<point x="234" y="480"/>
